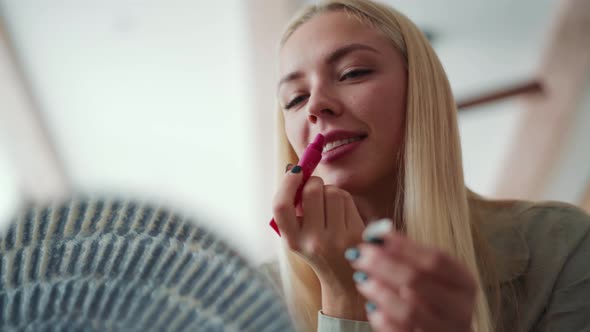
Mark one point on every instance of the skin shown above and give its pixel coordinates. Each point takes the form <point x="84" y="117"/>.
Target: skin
<point x="362" y="90"/>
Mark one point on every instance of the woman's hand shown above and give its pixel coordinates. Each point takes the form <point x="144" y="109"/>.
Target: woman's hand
<point x="413" y="288"/>
<point x="320" y="231"/>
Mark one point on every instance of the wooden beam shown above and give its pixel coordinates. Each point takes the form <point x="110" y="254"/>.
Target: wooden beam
<point x="266" y="21"/>
<point x="530" y="87"/>
<point x="532" y="164"/>
<point x="586" y="200"/>
<point x="41" y="172"/>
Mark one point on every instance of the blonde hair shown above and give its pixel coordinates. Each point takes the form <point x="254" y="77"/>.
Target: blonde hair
<point x="434" y="200"/>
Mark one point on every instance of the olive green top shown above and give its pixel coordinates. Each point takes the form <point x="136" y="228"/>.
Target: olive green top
<point x="543" y="261"/>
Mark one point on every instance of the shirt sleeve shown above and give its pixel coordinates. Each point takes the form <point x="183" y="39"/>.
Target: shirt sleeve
<point x="331" y="324"/>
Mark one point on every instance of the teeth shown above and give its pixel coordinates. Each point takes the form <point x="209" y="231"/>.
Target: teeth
<point x="335" y="144"/>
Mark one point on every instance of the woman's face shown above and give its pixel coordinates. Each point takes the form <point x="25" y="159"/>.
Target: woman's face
<point x="346" y="81"/>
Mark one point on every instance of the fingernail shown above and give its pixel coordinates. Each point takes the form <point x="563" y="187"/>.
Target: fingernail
<point x="370" y="307"/>
<point x="352" y="254"/>
<point x="360" y="277"/>
<point x="376" y="230"/>
<point x="296" y="169"/>
<point x="288" y="168"/>
<point x="375" y="240"/>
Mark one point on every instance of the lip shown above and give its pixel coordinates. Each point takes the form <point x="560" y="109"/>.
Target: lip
<point x="341" y="151"/>
<point x="336" y="135"/>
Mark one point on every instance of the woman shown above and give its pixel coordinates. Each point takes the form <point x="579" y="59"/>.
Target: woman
<point x="365" y="77"/>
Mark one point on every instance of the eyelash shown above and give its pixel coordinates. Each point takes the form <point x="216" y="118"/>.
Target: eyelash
<point x="295" y="101"/>
<point x="355" y="73"/>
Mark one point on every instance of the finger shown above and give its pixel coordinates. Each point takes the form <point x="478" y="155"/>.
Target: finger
<point x="403" y="314"/>
<point x="418" y="287"/>
<point x="380" y="323"/>
<point x="354" y="223"/>
<point x="389" y="269"/>
<point x="283" y="208"/>
<point x="437" y="300"/>
<point x="430" y="260"/>
<point x="334" y="209"/>
<point x="313" y="206"/>
<point x="401" y="270"/>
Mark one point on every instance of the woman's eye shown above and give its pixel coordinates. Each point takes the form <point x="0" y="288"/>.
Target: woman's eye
<point x="355" y="74"/>
<point x="295" y="101"/>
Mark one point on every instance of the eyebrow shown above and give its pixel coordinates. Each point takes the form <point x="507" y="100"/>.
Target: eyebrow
<point x="332" y="58"/>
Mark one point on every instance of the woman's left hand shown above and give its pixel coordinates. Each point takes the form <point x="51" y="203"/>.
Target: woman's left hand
<point x="413" y="288"/>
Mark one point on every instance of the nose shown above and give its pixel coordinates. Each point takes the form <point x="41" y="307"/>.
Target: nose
<point x="322" y="105"/>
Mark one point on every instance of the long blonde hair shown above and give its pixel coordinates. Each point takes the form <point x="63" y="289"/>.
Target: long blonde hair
<point x="434" y="200"/>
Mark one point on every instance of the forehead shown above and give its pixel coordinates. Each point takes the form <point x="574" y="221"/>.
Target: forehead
<point x="316" y="38"/>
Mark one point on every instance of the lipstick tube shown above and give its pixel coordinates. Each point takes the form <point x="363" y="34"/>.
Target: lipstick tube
<point x="308" y="162"/>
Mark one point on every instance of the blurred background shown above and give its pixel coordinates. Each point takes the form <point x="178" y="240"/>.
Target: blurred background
<point x="174" y="101"/>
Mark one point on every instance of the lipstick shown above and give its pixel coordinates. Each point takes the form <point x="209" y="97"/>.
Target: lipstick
<point x="308" y="162"/>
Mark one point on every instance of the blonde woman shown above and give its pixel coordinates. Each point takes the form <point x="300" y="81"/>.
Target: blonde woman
<point x="365" y="77"/>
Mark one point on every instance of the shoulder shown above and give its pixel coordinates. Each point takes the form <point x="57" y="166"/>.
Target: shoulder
<point x="535" y="238"/>
<point x="558" y="235"/>
<point x="541" y="249"/>
<point x="553" y="231"/>
<point x="559" y="274"/>
<point x="542" y="225"/>
<point x="555" y="219"/>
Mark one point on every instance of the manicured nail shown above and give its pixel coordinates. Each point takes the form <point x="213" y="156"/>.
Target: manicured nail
<point x="352" y="254"/>
<point x="360" y="277"/>
<point x="375" y="240"/>
<point x="376" y="230"/>
<point x="288" y="168"/>
<point x="370" y="307"/>
<point x="296" y="169"/>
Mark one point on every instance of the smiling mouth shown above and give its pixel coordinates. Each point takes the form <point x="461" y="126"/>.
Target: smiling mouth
<point x="336" y="144"/>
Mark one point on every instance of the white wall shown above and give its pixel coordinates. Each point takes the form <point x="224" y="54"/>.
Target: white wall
<point x="9" y="189"/>
<point x="491" y="46"/>
<point x="155" y="97"/>
<point x="486" y="131"/>
<point x="571" y="176"/>
<point x="148" y="97"/>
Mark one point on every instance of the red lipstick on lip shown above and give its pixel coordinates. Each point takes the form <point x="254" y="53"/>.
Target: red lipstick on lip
<point x="308" y="162"/>
<point x="342" y="150"/>
<point x="336" y="135"/>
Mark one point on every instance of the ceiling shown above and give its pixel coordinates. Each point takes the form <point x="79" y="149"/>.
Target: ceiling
<point x="484" y="44"/>
<point x="147" y="83"/>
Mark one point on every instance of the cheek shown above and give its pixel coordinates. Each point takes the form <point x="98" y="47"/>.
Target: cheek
<point x="379" y="106"/>
<point x="382" y="108"/>
<point x="296" y="131"/>
<point x="391" y="92"/>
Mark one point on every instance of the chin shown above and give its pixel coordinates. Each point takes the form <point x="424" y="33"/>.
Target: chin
<point x="348" y="182"/>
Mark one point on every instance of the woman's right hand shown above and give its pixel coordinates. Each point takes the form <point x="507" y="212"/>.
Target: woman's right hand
<point x="328" y="224"/>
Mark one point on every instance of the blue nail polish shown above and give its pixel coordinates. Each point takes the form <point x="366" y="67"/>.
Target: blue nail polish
<point x="296" y="169"/>
<point x="376" y="231"/>
<point x="375" y="240"/>
<point x="360" y="277"/>
<point x="352" y="254"/>
<point x="370" y="307"/>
